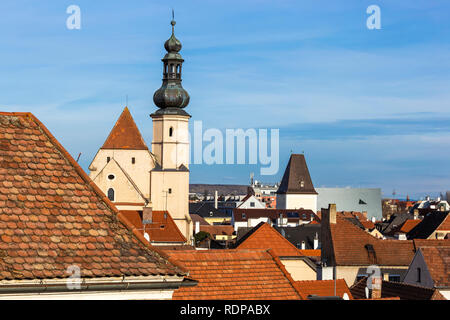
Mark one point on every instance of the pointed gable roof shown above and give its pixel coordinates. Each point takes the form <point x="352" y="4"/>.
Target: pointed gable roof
<point x="125" y="134"/>
<point x="263" y="236"/>
<point x="296" y="172"/>
<point x="52" y="215"/>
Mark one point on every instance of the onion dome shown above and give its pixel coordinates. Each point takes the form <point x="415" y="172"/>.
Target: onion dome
<point x="171" y="98"/>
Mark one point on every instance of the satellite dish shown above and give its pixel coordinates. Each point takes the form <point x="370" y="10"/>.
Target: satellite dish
<point x="345" y="296"/>
<point x="367" y="292"/>
<point x="147" y="236"/>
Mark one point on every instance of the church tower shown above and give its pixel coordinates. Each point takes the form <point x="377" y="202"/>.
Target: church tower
<point x="169" y="179"/>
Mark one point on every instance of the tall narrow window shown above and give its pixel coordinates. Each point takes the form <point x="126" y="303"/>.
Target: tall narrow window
<point x="170" y="132"/>
<point x="111" y="194"/>
<point x="133" y="160"/>
<point x="419" y="274"/>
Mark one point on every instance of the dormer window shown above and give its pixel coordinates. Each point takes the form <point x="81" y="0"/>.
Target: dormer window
<point x="302" y="184"/>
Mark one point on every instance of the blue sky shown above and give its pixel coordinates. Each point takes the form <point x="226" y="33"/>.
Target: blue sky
<point x="370" y="108"/>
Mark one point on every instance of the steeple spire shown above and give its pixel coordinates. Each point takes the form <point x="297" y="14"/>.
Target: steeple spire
<point x="171" y="97"/>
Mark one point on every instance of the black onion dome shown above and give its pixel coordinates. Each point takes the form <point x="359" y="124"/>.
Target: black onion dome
<point x="172" y="44"/>
<point x="171" y="96"/>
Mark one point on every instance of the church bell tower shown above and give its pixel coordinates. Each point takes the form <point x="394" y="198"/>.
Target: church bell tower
<point x="169" y="180"/>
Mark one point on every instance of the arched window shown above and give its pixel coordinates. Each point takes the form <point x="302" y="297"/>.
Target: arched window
<point x="170" y="131"/>
<point x="111" y="194"/>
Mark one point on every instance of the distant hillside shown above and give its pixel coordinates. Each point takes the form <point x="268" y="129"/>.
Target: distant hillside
<point x="222" y="189"/>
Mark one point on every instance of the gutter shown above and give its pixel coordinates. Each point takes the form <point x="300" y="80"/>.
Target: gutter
<point x="89" y="287"/>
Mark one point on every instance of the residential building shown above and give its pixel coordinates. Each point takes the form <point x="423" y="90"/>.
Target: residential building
<point x="235" y="274"/>
<point x="389" y="289"/>
<point x="266" y="193"/>
<point x="352" y="199"/>
<point x="280" y="217"/>
<point x="263" y="236"/>
<point x="296" y="189"/>
<point x="347" y="251"/>
<point x="251" y="202"/>
<point x="55" y="222"/>
<point x="209" y="213"/>
<point x="304" y="237"/>
<point x="435" y="225"/>
<point x="430" y="268"/>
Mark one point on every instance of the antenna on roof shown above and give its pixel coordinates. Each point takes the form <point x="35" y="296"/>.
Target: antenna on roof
<point x="79" y="155"/>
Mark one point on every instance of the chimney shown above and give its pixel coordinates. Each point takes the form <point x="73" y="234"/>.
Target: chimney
<point x="197" y="227"/>
<point x="215" y="199"/>
<point x="364" y="213"/>
<point x="416" y="214"/>
<point x="147" y="215"/>
<point x="376" y="287"/>
<point x="331" y="213"/>
<point x="316" y="241"/>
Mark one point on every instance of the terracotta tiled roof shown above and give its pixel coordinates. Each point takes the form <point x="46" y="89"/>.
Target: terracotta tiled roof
<point x="438" y="264"/>
<point x="390" y="289"/>
<point x="408" y="225"/>
<point x="352" y="246"/>
<point x="52" y="215"/>
<point x="324" y="288"/>
<point x="218" y="229"/>
<point x="235" y="274"/>
<point x="310" y="252"/>
<point x="430" y="243"/>
<point x="125" y="134"/>
<point x="367" y="224"/>
<point x="162" y="228"/>
<point x="263" y="236"/>
<point x="445" y="225"/>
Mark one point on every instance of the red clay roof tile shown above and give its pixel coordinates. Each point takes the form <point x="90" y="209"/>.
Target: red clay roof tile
<point x="235" y="274"/>
<point x="162" y="228"/>
<point x="266" y="237"/>
<point x="65" y="217"/>
<point x="438" y="264"/>
<point x="324" y="288"/>
<point x="125" y="134"/>
<point x="350" y="247"/>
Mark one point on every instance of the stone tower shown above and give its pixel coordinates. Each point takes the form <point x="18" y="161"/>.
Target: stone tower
<point x="169" y="179"/>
